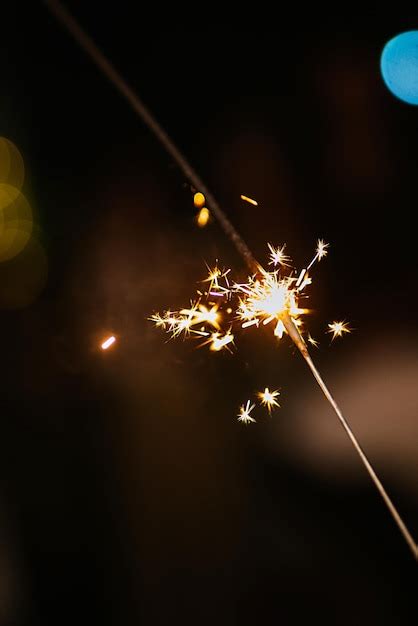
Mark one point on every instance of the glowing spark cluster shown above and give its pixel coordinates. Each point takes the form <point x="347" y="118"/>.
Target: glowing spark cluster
<point x="268" y="298"/>
<point x="266" y="398"/>
<point x="182" y="321"/>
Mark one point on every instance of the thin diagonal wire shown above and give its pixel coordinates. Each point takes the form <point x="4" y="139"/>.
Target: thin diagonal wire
<point x="401" y="525"/>
<point x="97" y="56"/>
<point x="100" y="60"/>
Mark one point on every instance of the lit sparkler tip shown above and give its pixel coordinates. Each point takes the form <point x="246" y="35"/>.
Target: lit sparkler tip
<point x="250" y="200"/>
<point x="338" y="329"/>
<point x="244" y="413"/>
<point x="266" y="297"/>
<point x="277" y="256"/>
<point x="108" y="342"/>
<point x="268" y="398"/>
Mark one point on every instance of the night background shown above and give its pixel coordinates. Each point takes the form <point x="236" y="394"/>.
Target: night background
<point x="129" y="492"/>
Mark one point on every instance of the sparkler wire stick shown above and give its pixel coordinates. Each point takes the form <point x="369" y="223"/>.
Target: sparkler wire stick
<point x="100" y="60"/>
<point x="401" y="525"/>
<point x="300" y="344"/>
<point x="87" y="44"/>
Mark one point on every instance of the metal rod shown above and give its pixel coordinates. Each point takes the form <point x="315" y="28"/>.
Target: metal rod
<point x="100" y="60"/>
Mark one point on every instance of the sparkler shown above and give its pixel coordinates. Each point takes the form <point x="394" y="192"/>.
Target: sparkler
<point x="251" y="299"/>
<point x="267" y="298"/>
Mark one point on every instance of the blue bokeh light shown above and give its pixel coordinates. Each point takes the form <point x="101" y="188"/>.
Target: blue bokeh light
<point x="399" y="66"/>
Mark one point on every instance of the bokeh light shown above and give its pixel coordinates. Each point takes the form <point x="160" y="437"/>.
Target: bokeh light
<point x="16" y="222"/>
<point x="23" y="277"/>
<point x="23" y="262"/>
<point x="12" y="169"/>
<point x="399" y="66"/>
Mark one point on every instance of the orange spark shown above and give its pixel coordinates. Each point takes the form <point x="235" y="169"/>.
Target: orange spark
<point x="202" y="217"/>
<point x="108" y="342"/>
<point x="199" y="200"/>
<point x="250" y="200"/>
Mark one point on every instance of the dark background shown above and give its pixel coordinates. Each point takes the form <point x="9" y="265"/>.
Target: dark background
<point x="129" y="493"/>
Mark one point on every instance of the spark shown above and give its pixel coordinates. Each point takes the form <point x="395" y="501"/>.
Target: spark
<point x="183" y="321"/>
<point x="277" y="256"/>
<point x="108" y="342"/>
<point x="279" y="330"/>
<point x="320" y="252"/>
<point x="158" y="320"/>
<point x="180" y="325"/>
<point x="244" y="413"/>
<point x="200" y="314"/>
<point x="202" y="217"/>
<point x="266" y="297"/>
<point x="199" y="200"/>
<point x="307" y="281"/>
<point x="268" y="398"/>
<point x="218" y="342"/>
<point x="250" y="200"/>
<point x="214" y="276"/>
<point x="300" y="278"/>
<point x="313" y="341"/>
<point x="250" y="323"/>
<point x="338" y="329"/>
<point x="321" y="249"/>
